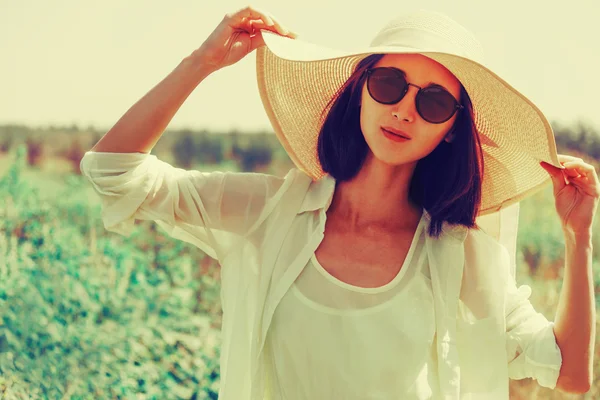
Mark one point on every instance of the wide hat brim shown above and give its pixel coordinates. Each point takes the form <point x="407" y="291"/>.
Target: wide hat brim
<point x="297" y="79"/>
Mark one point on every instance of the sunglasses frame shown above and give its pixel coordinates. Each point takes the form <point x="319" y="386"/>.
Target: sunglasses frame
<point x="400" y="73"/>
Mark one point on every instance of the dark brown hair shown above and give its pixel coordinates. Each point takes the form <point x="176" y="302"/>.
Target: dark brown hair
<point x="446" y="183"/>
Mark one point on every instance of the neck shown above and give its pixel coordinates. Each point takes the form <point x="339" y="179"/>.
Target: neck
<point x="376" y="198"/>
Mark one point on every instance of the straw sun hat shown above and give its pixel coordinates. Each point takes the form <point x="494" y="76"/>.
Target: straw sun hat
<point x="297" y="79"/>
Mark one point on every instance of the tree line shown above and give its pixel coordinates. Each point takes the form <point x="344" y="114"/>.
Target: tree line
<point x="188" y="147"/>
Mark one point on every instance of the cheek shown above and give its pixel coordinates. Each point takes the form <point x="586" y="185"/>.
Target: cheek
<point x="367" y="118"/>
<point x="432" y="136"/>
<point x="370" y="111"/>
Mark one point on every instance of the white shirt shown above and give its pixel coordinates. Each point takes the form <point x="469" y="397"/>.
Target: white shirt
<point x="333" y="340"/>
<point x="263" y="230"/>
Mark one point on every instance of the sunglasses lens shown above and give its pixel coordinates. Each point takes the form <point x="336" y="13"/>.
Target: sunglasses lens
<point x="386" y="85"/>
<point x="435" y="104"/>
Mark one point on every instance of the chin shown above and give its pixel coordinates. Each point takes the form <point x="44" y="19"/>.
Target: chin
<point x="386" y="157"/>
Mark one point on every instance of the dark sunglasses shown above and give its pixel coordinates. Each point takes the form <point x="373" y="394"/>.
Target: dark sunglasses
<point x="387" y="85"/>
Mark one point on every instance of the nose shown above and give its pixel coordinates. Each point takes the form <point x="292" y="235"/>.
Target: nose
<point x="406" y="109"/>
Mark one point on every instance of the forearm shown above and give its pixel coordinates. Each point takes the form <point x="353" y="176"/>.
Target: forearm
<point x="138" y="130"/>
<point x="574" y="324"/>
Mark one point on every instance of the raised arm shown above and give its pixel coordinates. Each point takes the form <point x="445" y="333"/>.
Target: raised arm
<point x="138" y="130"/>
<point x="213" y="210"/>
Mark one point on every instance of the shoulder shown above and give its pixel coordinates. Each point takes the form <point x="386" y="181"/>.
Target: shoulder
<point x="482" y="247"/>
<point x="473" y="239"/>
<point x="295" y="180"/>
<point x="299" y="181"/>
<point x="297" y="176"/>
<point x="481" y="239"/>
<point x="295" y="186"/>
<point x="481" y="236"/>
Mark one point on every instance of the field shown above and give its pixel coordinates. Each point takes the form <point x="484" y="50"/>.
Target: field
<point x="90" y="314"/>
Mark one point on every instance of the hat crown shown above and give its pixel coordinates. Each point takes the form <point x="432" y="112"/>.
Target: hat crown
<point x="430" y="31"/>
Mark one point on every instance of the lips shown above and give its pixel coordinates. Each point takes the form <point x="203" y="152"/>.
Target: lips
<point x="396" y="132"/>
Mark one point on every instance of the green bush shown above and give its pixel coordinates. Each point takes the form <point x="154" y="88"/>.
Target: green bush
<point x="91" y="314"/>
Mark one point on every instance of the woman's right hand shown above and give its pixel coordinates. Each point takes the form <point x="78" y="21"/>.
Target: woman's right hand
<point x="237" y="35"/>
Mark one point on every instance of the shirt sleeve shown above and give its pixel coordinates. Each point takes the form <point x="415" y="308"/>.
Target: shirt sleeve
<point x="532" y="351"/>
<point x="212" y="210"/>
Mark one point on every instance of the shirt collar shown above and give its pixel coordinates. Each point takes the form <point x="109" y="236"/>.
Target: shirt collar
<point x="319" y="195"/>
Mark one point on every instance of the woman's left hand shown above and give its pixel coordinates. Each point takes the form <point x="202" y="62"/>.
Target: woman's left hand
<point x="576" y="193"/>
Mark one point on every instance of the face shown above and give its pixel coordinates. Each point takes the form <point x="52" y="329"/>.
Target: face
<point x="403" y="116"/>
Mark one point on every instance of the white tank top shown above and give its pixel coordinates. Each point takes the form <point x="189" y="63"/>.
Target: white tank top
<point x="332" y="340"/>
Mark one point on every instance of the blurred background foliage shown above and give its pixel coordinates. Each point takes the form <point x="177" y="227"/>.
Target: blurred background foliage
<point x="85" y="313"/>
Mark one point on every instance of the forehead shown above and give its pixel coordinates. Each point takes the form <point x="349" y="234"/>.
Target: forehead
<point x="421" y="70"/>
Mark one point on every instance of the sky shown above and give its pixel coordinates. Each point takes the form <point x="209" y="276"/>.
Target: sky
<point x="81" y="62"/>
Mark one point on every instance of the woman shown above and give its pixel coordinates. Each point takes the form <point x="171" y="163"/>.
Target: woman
<point x="363" y="274"/>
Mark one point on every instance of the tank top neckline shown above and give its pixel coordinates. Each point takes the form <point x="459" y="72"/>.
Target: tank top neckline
<point x="407" y="261"/>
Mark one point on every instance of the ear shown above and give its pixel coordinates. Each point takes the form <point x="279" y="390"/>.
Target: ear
<point x="450" y="135"/>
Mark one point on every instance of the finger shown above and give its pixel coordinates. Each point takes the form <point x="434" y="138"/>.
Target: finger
<point x="251" y="26"/>
<point x="590" y="176"/>
<point x="253" y="13"/>
<point x="580" y="167"/>
<point x="281" y="29"/>
<point x="587" y="178"/>
<point x="249" y="12"/>
<point x="551" y="169"/>
<point x="571" y="171"/>
<point x="257" y="24"/>
<point x="586" y="187"/>
<point x="582" y="179"/>
<point x="559" y="180"/>
<point x="559" y="166"/>
<point x="256" y="41"/>
<point x="566" y="157"/>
